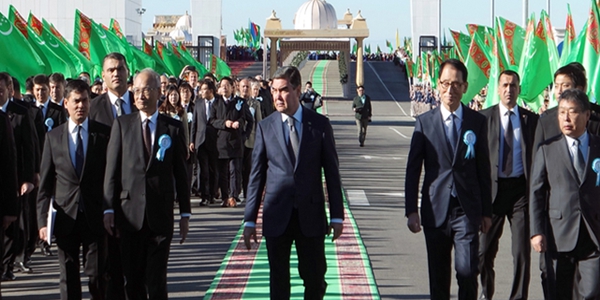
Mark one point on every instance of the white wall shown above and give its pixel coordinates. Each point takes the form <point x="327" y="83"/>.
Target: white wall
<point x="207" y="20"/>
<point x="61" y="13"/>
<point x="425" y="20"/>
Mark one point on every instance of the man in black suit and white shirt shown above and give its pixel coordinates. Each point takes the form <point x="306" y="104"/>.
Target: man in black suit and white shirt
<point x="54" y="114"/>
<point x="73" y="164"/>
<point x="117" y="101"/>
<point x="511" y="130"/>
<point x="565" y="184"/>
<point x="451" y="142"/>
<point x="145" y="170"/>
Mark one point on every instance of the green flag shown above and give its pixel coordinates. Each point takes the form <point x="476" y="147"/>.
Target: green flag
<point x="591" y="52"/>
<point x="18" y="58"/>
<point x="512" y="39"/>
<point x="553" y="57"/>
<point x="389" y="45"/>
<point x="478" y="65"/>
<point x="219" y="67"/>
<point x="354" y="49"/>
<point x="499" y="63"/>
<point x="87" y="41"/>
<point x="173" y="63"/>
<point x="534" y="66"/>
<point x="159" y="64"/>
<point x="368" y="49"/>
<point x="190" y="60"/>
<point x="569" y="41"/>
<point x="65" y="50"/>
<point x="461" y="44"/>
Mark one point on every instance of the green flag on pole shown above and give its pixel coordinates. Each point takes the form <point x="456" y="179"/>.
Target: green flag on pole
<point x="219" y="67"/>
<point x="64" y="50"/>
<point x="591" y="52"/>
<point x="478" y="65"/>
<point x="190" y="60"/>
<point x="461" y="44"/>
<point x="18" y="58"/>
<point x="569" y="41"/>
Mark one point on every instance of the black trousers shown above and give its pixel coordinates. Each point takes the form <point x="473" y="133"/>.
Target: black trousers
<point x="311" y="262"/>
<point x="511" y="203"/>
<point x="68" y="257"/>
<point x="230" y="177"/>
<point x="14" y="237"/>
<point x="458" y="232"/>
<point x="113" y="268"/>
<point x="246" y="168"/>
<point x="207" y="161"/>
<point x="145" y="256"/>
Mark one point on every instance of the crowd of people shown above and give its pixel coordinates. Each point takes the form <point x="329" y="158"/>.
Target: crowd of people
<point x="99" y="168"/>
<point x="539" y="172"/>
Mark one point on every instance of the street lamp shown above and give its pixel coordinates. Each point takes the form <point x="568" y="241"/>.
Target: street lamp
<point x="140" y="10"/>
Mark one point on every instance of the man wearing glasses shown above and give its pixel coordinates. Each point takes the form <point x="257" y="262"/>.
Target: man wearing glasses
<point x="451" y="141"/>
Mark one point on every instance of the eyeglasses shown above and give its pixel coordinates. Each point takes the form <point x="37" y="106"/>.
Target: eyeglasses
<point x="455" y="84"/>
<point x="146" y="91"/>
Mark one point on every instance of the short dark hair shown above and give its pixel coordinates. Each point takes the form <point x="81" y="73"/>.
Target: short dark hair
<point x="57" y="78"/>
<point x="574" y="73"/>
<point x="458" y="65"/>
<point x="360" y="86"/>
<point x="115" y="55"/>
<point x="576" y="95"/>
<point x="510" y="73"/>
<point x="41" y="79"/>
<point x="228" y="79"/>
<point x="29" y="83"/>
<point x="16" y="84"/>
<point x="577" y="65"/>
<point x="210" y="75"/>
<point x="78" y="86"/>
<point x="210" y="84"/>
<point x="5" y="77"/>
<point x="308" y="82"/>
<point x="291" y="74"/>
<point x="184" y="85"/>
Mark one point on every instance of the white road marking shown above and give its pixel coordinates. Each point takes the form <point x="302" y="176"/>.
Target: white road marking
<point x="391" y="194"/>
<point x="380" y="157"/>
<point x="357" y="198"/>
<point x="400" y="133"/>
<point x="394" y="98"/>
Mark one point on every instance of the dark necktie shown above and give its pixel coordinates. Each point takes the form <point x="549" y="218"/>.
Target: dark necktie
<point x="452" y="132"/>
<point x="294" y="141"/>
<point x="208" y="105"/>
<point x="507" y="153"/>
<point x="42" y="108"/>
<point x="79" y="158"/>
<point x="147" y="140"/>
<point x="119" y="104"/>
<point x="578" y="160"/>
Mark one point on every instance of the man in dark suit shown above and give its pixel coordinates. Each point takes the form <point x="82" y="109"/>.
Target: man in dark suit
<point x="24" y="136"/>
<point x="451" y="141"/>
<point x="73" y="164"/>
<point x="53" y="113"/>
<point x="310" y="97"/>
<point x="292" y="146"/>
<point x="231" y="117"/>
<point x="57" y="88"/>
<point x="564" y="190"/>
<point x="118" y="100"/>
<point x="362" y="113"/>
<point x="204" y="142"/>
<point x="8" y="177"/>
<point x="510" y="141"/>
<point x="566" y="77"/>
<point x="266" y="99"/>
<point x="145" y="169"/>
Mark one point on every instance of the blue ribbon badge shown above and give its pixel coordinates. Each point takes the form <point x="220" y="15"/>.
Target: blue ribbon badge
<point x="164" y="143"/>
<point x="238" y="105"/>
<point x="596" y="168"/>
<point x="469" y="139"/>
<point x="49" y="123"/>
<point x="252" y="111"/>
<point x="190" y="116"/>
<point x="176" y="117"/>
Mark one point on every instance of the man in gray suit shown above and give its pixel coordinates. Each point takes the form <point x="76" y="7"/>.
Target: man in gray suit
<point x="292" y="146"/>
<point x="564" y="190"/>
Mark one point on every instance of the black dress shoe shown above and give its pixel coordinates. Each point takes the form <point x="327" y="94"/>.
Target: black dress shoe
<point x="203" y="202"/>
<point x="46" y="251"/>
<point x="9" y="276"/>
<point x="20" y="267"/>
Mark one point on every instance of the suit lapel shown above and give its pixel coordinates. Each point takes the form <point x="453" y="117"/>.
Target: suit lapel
<point x="563" y="151"/>
<point x="524" y="136"/>
<point x="108" y="111"/>
<point x="64" y="142"/>
<point x="161" y="129"/>
<point x="440" y="132"/>
<point x="494" y="134"/>
<point x="593" y="154"/>
<point x="277" y="127"/>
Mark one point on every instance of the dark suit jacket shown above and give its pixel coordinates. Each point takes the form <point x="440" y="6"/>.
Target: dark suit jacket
<point x="230" y="141"/>
<point x="101" y="109"/>
<point x="528" y="122"/>
<point x="266" y="102"/>
<point x="8" y="164"/>
<point x="363" y="111"/>
<point x="557" y="195"/>
<point x="471" y="176"/>
<point x="59" y="179"/>
<point x="36" y="115"/>
<point x="136" y="191"/>
<point x="24" y="135"/>
<point x="548" y="126"/>
<point x="57" y="113"/>
<point x="297" y="185"/>
<point x="199" y="124"/>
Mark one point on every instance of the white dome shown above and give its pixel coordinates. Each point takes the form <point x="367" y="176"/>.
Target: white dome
<point x="180" y="35"/>
<point x="184" y="23"/>
<point x="316" y="14"/>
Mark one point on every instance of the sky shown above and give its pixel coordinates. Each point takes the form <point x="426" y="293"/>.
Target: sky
<point x="383" y="18"/>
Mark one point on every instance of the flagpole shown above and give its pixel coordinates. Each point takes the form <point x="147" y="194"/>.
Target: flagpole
<point x="525" y="12"/>
<point x="492" y="13"/>
<point x="548" y="8"/>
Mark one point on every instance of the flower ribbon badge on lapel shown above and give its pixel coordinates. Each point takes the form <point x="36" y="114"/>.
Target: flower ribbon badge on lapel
<point x="49" y="123"/>
<point x="596" y="168"/>
<point x="176" y="117"/>
<point x="252" y="111"/>
<point x="469" y="139"/>
<point x="259" y="99"/>
<point x="190" y="116"/>
<point x="238" y="105"/>
<point x="164" y="143"/>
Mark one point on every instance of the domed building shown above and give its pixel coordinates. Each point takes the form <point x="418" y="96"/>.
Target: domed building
<point x="315" y="14"/>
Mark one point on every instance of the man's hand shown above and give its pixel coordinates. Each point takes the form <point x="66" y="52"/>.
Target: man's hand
<point x="228" y="123"/>
<point x="538" y="243"/>
<point x="184" y="227"/>
<point x="338" y="229"/>
<point x="26" y="188"/>
<point x="192" y="147"/>
<point x="109" y="224"/>
<point x="486" y="224"/>
<point x="44" y="233"/>
<point x="414" y="222"/>
<point x="6" y="220"/>
<point x="248" y="233"/>
<point x="235" y="125"/>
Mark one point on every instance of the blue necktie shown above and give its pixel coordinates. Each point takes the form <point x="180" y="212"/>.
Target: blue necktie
<point x="79" y="158"/>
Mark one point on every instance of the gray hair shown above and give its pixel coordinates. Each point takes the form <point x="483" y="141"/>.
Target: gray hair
<point x="155" y="76"/>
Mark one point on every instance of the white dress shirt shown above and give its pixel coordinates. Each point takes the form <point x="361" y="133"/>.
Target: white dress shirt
<point x="584" y="141"/>
<point x="518" y="168"/>
<point x="448" y="119"/>
<point x="73" y="138"/>
<point x="126" y="103"/>
<point x="153" y="119"/>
